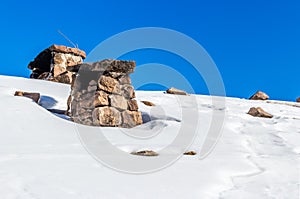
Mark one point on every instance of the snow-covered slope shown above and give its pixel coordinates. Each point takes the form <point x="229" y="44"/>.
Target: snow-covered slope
<point x="41" y="155"/>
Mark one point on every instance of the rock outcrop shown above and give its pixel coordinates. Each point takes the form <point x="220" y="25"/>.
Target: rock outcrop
<point x="259" y="95"/>
<point x="51" y="64"/>
<point x="176" y="91"/>
<point x="259" y="112"/>
<point x="298" y="99"/>
<point x="145" y="153"/>
<point x="102" y="94"/>
<point x="147" y="103"/>
<point x="34" y="96"/>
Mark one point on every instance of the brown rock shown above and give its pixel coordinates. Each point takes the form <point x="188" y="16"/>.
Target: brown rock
<point x="147" y="103"/>
<point x="176" y="91"/>
<point x="131" y="118"/>
<point x="145" y="153"/>
<point x="57" y="70"/>
<point x="125" y="79"/>
<point x="34" y="96"/>
<point x="259" y="95"/>
<point x="259" y="112"/>
<point x="114" y="68"/>
<point x="298" y="99"/>
<point x="106" y="116"/>
<point x="101" y="99"/>
<point x="190" y="153"/>
<point x="132" y="105"/>
<point x="127" y="91"/>
<point x="65" y="49"/>
<point x="118" y="102"/>
<point x="54" y="61"/>
<point x="109" y="84"/>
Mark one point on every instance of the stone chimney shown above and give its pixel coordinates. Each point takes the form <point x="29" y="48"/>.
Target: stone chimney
<point x="52" y="62"/>
<point x="102" y="94"/>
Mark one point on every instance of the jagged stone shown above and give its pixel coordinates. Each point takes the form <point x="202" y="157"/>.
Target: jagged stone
<point x="65" y="49"/>
<point x="107" y="116"/>
<point x="127" y="91"/>
<point x="34" y="96"/>
<point x="101" y="99"/>
<point x="125" y="79"/>
<point x="147" y="103"/>
<point x="190" y="153"/>
<point x="132" y="105"/>
<point x="259" y="112"/>
<point x="131" y="118"/>
<point x="109" y="84"/>
<point x="145" y="153"/>
<point x="118" y="102"/>
<point x="259" y="95"/>
<point x="176" y="91"/>
<point x="114" y="68"/>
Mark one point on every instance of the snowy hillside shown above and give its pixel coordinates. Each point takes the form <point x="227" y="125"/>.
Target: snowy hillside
<point x="42" y="157"/>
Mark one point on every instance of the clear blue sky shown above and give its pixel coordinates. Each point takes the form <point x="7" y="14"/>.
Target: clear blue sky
<point x="255" y="44"/>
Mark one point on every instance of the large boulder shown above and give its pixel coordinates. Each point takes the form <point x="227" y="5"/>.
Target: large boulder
<point x="259" y="95"/>
<point x="298" y="99"/>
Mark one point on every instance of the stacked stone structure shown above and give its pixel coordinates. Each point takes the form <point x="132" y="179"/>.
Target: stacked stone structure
<point x="51" y="63"/>
<point x="102" y="94"/>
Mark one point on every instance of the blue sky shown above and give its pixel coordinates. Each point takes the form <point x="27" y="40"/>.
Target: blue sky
<point x="255" y="44"/>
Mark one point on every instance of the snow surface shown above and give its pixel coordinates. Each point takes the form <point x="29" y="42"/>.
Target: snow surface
<point x="41" y="155"/>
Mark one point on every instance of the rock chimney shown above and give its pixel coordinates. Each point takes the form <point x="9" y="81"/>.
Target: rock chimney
<point x="102" y="94"/>
<point x="52" y="62"/>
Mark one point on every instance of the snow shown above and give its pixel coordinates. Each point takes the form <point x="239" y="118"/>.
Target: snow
<point x="42" y="156"/>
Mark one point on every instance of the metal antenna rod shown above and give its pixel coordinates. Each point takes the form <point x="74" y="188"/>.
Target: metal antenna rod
<point x="69" y="40"/>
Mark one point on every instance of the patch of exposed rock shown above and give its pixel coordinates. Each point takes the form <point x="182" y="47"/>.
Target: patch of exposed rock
<point x="259" y="112"/>
<point x="145" y="153"/>
<point x="147" y="103"/>
<point x="190" y="153"/>
<point x="259" y="95"/>
<point x="34" y="96"/>
<point x="176" y="91"/>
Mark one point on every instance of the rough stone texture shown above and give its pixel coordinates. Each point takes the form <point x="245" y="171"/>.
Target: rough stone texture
<point x="101" y="99"/>
<point x="259" y="95"/>
<point x="132" y="105"/>
<point x="118" y="101"/>
<point x="109" y="84"/>
<point x="51" y="64"/>
<point x="107" y="116"/>
<point x="113" y="68"/>
<point x="34" y="96"/>
<point x="298" y="99"/>
<point x="176" y="91"/>
<point x="259" y="112"/>
<point x="127" y="91"/>
<point x="102" y="94"/>
<point x="131" y="118"/>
